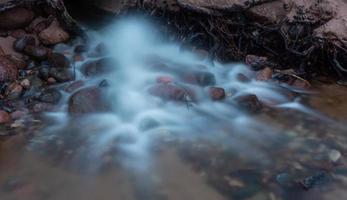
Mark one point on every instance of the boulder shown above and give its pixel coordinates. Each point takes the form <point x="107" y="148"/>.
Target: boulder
<point x="249" y="102"/>
<point x="171" y="92"/>
<point x="216" y="93"/>
<point x="4" y="117"/>
<point x="8" y="70"/>
<point x="17" y="17"/>
<point x="53" y="34"/>
<point x="87" y="100"/>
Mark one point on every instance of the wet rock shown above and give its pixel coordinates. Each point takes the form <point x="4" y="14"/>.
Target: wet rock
<point x="37" y="52"/>
<point x="51" y="81"/>
<point x="8" y="70"/>
<point x="53" y="34"/>
<point x="44" y="72"/>
<point x="61" y="74"/>
<point x="18" y="114"/>
<point x="99" y="67"/>
<point x="249" y="103"/>
<point x="104" y="83"/>
<point x="101" y="49"/>
<point x="25" y="83"/>
<point x="41" y="107"/>
<point x="13" y="91"/>
<point x="74" y="86"/>
<point x="78" y="58"/>
<point x="16" y="18"/>
<point x="81" y="49"/>
<point x="264" y="74"/>
<point x="52" y="96"/>
<point x="172" y="92"/>
<point x="334" y="155"/>
<point x="164" y="79"/>
<point x="200" y="78"/>
<point x="314" y="180"/>
<point x="87" y="100"/>
<point x="292" y="80"/>
<point x="22" y="42"/>
<point x="242" y="78"/>
<point x="58" y="60"/>
<point x="256" y="62"/>
<point x="216" y="93"/>
<point x="4" y="117"/>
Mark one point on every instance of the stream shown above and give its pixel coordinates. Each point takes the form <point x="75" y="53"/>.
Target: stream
<point x="176" y="125"/>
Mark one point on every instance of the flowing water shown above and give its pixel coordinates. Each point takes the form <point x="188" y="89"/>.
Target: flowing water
<point x="183" y="146"/>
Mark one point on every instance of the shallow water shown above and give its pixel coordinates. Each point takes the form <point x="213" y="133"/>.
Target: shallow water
<point x="149" y="148"/>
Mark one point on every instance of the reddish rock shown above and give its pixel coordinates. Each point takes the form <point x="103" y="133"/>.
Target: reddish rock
<point x="249" y="103"/>
<point x="1" y="52"/>
<point x="8" y="70"/>
<point x="53" y="34"/>
<point x="216" y="93"/>
<point x="6" y="43"/>
<point x="51" y="80"/>
<point x="171" y="92"/>
<point x="264" y="74"/>
<point x="74" y="86"/>
<point x="18" y="33"/>
<point x="4" y="117"/>
<point x="200" y="78"/>
<point x="164" y="79"/>
<point x="87" y="100"/>
<point x="242" y="78"/>
<point x="13" y="91"/>
<point x="293" y="80"/>
<point x="16" y="18"/>
<point x="38" y="25"/>
<point x="256" y="62"/>
<point x="19" y="62"/>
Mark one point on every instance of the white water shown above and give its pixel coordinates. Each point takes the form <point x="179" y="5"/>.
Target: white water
<point x="137" y="46"/>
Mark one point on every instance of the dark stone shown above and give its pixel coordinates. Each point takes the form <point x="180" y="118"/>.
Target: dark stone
<point x="62" y="74"/>
<point x="88" y="100"/>
<point x="171" y="92"/>
<point x="52" y="96"/>
<point x="99" y="67"/>
<point x="58" y="60"/>
<point x="81" y="49"/>
<point x="200" y="78"/>
<point x="16" y="18"/>
<point x="256" y="62"/>
<point x="216" y="93"/>
<point x="36" y="52"/>
<point x="22" y="42"/>
<point x="44" y="72"/>
<point x="249" y="103"/>
<point x="74" y="86"/>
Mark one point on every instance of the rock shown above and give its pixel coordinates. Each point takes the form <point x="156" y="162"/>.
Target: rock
<point x="13" y="91"/>
<point x="334" y="155"/>
<point x="81" y="49"/>
<point x="4" y="117"/>
<point x="78" y="58"/>
<point x="216" y="93"/>
<point x="53" y="34"/>
<point x="256" y="62"/>
<point x="62" y="74"/>
<point x="200" y="78"/>
<point x="99" y="67"/>
<point x="242" y="78"/>
<point x="314" y="180"/>
<point x="37" y="52"/>
<point x="58" y="60"/>
<point x="292" y="80"/>
<point x="25" y="83"/>
<point x="6" y="43"/>
<point x="42" y="107"/>
<point x="18" y="114"/>
<point x="19" y="62"/>
<point x="18" y="33"/>
<point x="8" y="70"/>
<point x="249" y="103"/>
<point x="38" y="25"/>
<point x="16" y="18"/>
<point x="1" y="52"/>
<point x="171" y="92"/>
<point x="164" y="79"/>
<point x="74" y="86"/>
<point x="44" y="72"/>
<point x="264" y="74"/>
<point x="23" y="41"/>
<point x="52" y="96"/>
<point x="51" y="81"/>
<point x="87" y="100"/>
<point x="101" y="49"/>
